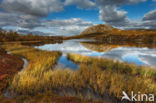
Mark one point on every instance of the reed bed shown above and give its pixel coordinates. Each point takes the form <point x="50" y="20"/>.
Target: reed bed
<point x="39" y="63"/>
<point x="116" y="66"/>
<point x="103" y="76"/>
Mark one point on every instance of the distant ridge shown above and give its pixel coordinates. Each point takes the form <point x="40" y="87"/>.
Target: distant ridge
<point x="107" y="33"/>
<point x="100" y="28"/>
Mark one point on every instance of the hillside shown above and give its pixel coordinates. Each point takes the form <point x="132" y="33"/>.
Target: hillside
<point x="98" y="29"/>
<point x="95" y="31"/>
<point x="107" y="33"/>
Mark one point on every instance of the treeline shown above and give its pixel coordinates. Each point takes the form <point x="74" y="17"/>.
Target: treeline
<point x="14" y="36"/>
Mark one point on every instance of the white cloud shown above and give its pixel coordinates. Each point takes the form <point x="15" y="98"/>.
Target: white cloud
<point x="67" y="22"/>
<point x="117" y="2"/>
<point x="81" y="3"/>
<point x="111" y="14"/>
<point x="150" y="15"/>
<point x="71" y="30"/>
<point x="67" y="27"/>
<point x="12" y="19"/>
<point x="149" y="20"/>
<point x="27" y="14"/>
<point x="32" y="7"/>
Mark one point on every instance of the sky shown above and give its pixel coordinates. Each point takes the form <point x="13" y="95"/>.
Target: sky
<point x="70" y="17"/>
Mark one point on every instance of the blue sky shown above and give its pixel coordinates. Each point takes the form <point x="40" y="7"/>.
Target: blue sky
<point x="136" y="11"/>
<point x="139" y="10"/>
<point x="70" y="17"/>
<point x="73" y="12"/>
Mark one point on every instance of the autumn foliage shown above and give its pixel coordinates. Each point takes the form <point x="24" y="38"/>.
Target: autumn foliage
<point x="9" y="65"/>
<point x="14" y="36"/>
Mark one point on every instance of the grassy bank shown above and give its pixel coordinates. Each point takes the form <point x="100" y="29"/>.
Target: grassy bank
<point x="107" y="64"/>
<point x="38" y="79"/>
<point x="114" y="77"/>
<point x="9" y="66"/>
<point x="39" y="62"/>
<point x="101" y="76"/>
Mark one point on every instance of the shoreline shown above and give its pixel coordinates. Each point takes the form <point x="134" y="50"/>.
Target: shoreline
<point x="9" y="66"/>
<point x="26" y="63"/>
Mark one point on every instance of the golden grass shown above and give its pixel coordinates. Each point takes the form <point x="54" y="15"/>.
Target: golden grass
<point x="101" y="75"/>
<point x="105" y="74"/>
<point x="39" y="62"/>
<point x="107" y="64"/>
<point x="87" y="77"/>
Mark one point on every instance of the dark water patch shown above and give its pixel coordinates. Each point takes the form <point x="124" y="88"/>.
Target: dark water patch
<point x="87" y="94"/>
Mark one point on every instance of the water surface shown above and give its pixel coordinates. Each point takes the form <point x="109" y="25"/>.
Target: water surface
<point x="124" y="53"/>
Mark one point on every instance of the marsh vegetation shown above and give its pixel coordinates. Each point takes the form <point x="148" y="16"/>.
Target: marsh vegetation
<point x="9" y="66"/>
<point x="96" y="79"/>
<point x="38" y="77"/>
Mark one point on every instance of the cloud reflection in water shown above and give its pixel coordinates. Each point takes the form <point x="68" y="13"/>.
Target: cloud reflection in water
<point x="139" y="56"/>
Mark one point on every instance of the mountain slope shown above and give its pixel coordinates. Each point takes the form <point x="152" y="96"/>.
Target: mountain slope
<point x="98" y="29"/>
<point x="104" y="32"/>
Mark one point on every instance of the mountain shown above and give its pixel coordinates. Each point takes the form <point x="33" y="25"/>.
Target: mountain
<point x="107" y="33"/>
<point x="98" y="29"/>
<point x="95" y="31"/>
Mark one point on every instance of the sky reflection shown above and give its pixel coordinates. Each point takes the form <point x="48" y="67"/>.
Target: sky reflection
<point x="139" y="56"/>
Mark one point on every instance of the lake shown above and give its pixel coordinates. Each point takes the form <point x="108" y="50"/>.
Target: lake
<point x="124" y="53"/>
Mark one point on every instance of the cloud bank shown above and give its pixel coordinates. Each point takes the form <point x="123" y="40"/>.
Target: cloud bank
<point x="39" y="8"/>
<point x="29" y="15"/>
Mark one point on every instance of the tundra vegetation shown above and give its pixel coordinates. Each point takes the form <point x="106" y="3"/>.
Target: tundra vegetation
<point x="12" y="36"/>
<point x="114" y="77"/>
<point x="9" y="66"/>
<point x="102" y="76"/>
<point x="32" y="84"/>
<point x="39" y="82"/>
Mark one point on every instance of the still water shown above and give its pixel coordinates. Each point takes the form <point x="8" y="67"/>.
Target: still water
<point x="139" y="56"/>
